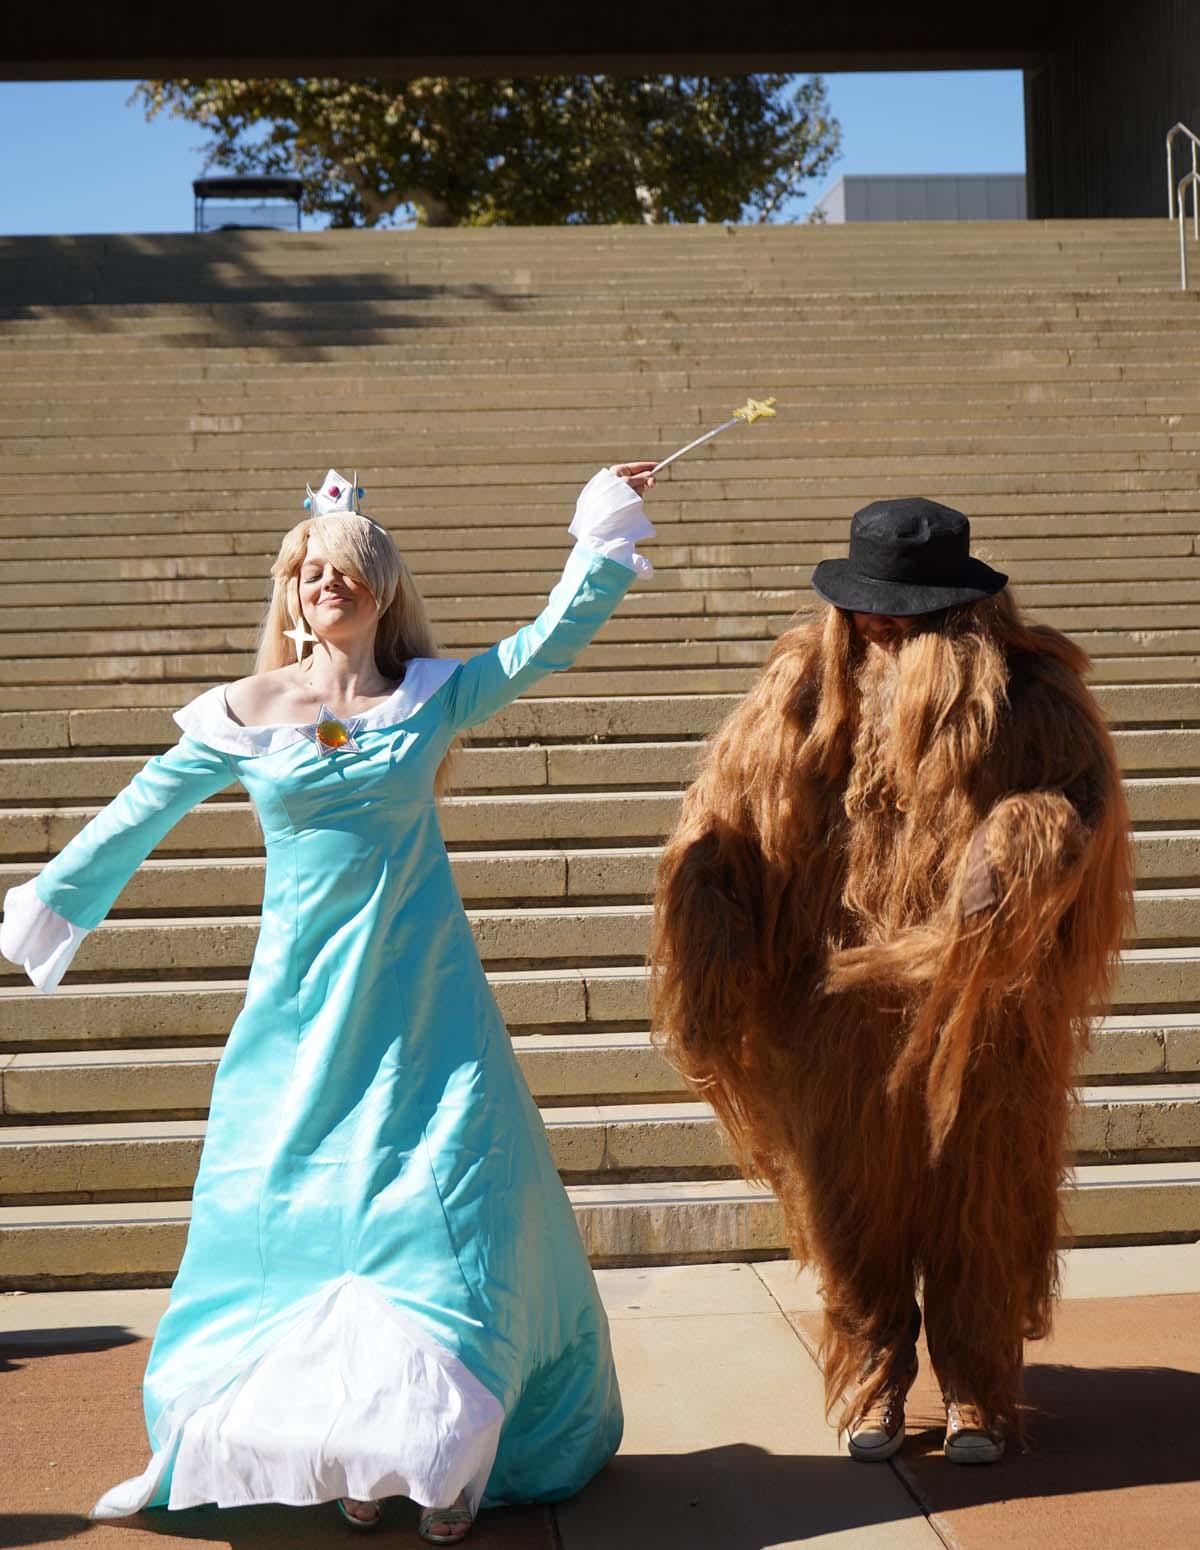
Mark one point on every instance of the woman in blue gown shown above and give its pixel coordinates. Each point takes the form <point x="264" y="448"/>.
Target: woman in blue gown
<point x="384" y="1291"/>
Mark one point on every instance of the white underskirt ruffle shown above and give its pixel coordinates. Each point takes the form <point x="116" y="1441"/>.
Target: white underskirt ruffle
<point x="37" y="937"/>
<point x="610" y="519"/>
<point x="354" y="1398"/>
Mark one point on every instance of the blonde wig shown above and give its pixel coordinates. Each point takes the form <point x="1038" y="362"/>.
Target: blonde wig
<point x="361" y="548"/>
<point x="902" y="1075"/>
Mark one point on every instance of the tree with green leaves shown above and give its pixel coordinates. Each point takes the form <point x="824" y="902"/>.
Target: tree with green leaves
<point x="546" y="150"/>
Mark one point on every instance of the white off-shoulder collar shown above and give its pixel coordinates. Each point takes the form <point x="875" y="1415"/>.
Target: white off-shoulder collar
<point x="207" y="717"/>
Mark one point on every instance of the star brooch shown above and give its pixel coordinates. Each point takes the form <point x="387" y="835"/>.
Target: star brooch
<point x="333" y="735"/>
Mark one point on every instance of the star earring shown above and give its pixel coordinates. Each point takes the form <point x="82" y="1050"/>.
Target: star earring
<point x="299" y="636"/>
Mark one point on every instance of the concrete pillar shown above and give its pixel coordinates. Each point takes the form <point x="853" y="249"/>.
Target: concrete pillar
<point x="1099" y="105"/>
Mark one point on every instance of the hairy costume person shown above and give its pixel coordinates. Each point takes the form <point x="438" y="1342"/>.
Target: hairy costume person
<point x="894" y="896"/>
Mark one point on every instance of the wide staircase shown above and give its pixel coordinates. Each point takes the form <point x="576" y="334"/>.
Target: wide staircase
<point x="163" y="400"/>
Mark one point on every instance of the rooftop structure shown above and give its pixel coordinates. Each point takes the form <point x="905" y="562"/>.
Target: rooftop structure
<point x="925" y="197"/>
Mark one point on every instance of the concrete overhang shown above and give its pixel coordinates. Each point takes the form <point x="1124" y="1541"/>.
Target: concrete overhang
<point x="486" y="39"/>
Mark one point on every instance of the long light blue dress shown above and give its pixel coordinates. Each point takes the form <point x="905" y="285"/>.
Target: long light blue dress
<point x="384" y="1291"/>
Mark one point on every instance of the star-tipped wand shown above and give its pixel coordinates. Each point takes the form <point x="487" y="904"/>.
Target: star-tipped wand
<point x="753" y="409"/>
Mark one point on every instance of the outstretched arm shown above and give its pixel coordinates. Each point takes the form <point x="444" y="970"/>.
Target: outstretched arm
<point x="609" y="521"/>
<point x="47" y="918"/>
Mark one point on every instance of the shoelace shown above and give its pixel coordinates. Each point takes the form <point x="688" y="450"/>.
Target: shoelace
<point x="883" y="1414"/>
<point x="887" y="1410"/>
<point x="964" y="1417"/>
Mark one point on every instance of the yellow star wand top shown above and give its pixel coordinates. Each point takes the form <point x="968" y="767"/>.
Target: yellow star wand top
<point x="753" y="409"/>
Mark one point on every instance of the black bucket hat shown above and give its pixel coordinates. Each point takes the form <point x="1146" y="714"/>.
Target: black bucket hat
<point x="907" y="556"/>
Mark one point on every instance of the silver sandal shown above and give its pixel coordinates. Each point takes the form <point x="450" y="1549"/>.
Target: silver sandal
<point x="457" y="1518"/>
<point x="373" y="1521"/>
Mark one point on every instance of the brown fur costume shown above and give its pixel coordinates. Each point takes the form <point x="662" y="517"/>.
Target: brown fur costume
<point x="901" y="1075"/>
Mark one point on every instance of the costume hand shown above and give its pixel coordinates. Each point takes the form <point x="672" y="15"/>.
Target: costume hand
<point x="980" y="890"/>
<point x="636" y="475"/>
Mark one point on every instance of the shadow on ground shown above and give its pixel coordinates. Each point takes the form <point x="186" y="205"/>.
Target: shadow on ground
<point x="360" y="290"/>
<point x="736" y="1497"/>
<point x="41" y="1528"/>
<point x="1090" y="1429"/>
<point x="267" y="1528"/>
<point x="18" y="1347"/>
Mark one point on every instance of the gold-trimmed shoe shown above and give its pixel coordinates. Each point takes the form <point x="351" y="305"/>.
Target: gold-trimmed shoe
<point x="969" y="1439"/>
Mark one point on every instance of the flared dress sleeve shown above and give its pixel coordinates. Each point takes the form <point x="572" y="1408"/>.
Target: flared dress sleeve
<point x="47" y="918"/>
<point x="609" y="521"/>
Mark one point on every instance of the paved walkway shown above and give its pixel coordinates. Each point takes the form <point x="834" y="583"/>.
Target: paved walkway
<point x="725" y="1446"/>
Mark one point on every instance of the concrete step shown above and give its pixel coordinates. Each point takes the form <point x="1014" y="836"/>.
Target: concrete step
<point x="225" y="944"/>
<point x="660" y="666"/>
<point x="64" y="1163"/>
<point x="224" y="410"/>
<point x="584" y="1067"/>
<point x="602" y="670"/>
<point x="528" y="935"/>
<point x="679" y="298"/>
<point x="578" y="875"/>
<point x="228" y="828"/>
<point x="216" y="415"/>
<point x="574" y="766"/>
<point x="549" y="719"/>
<point x="895" y="430"/>
<point x="693" y="564"/>
<point x="538" y="549"/>
<point x="647" y="347"/>
<point x="1152" y="985"/>
<point x="140" y="1243"/>
<point x="681" y="498"/>
<point x="656" y="1223"/>
<point x="839" y="483"/>
<point x="641" y="642"/>
<point x="746" y="649"/>
<point x="773" y="536"/>
<point x="1133" y="628"/>
<point x="59" y="449"/>
<point x="1154" y="988"/>
<point x="125" y="1015"/>
<point x="560" y="1069"/>
<point x="482" y="877"/>
<point x="135" y="423"/>
<point x="874" y="332"/>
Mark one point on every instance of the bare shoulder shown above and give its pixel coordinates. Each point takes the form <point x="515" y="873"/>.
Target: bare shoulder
<point x="262" y="697"/>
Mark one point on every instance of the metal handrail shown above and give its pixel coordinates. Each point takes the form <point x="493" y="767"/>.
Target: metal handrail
<point x="1180" y="129"/>
<point x="1191" y="179"/>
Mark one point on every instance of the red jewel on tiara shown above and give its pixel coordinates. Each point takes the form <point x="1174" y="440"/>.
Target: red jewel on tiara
<point x="334" y="491"/>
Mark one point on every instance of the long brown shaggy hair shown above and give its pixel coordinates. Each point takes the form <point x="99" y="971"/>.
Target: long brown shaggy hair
<point x="901" y="1075"/>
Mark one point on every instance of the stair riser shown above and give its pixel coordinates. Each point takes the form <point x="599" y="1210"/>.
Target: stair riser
<point x="637" y="817"/>
<point x="571" y="1070"/>
<point x="200" y="1012"/>
<point x="633" y="1233"/>
<point x="550" y="938"/>
<point x="666" y="1142"/>
<point x="638" y="765"/>
<point x="565" y="718"/>
<point x="534" y="877"/>
<point x="117" y="1253"/>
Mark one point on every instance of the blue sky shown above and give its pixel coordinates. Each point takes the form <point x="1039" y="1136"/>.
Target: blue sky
<point x="78" y="159"/>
